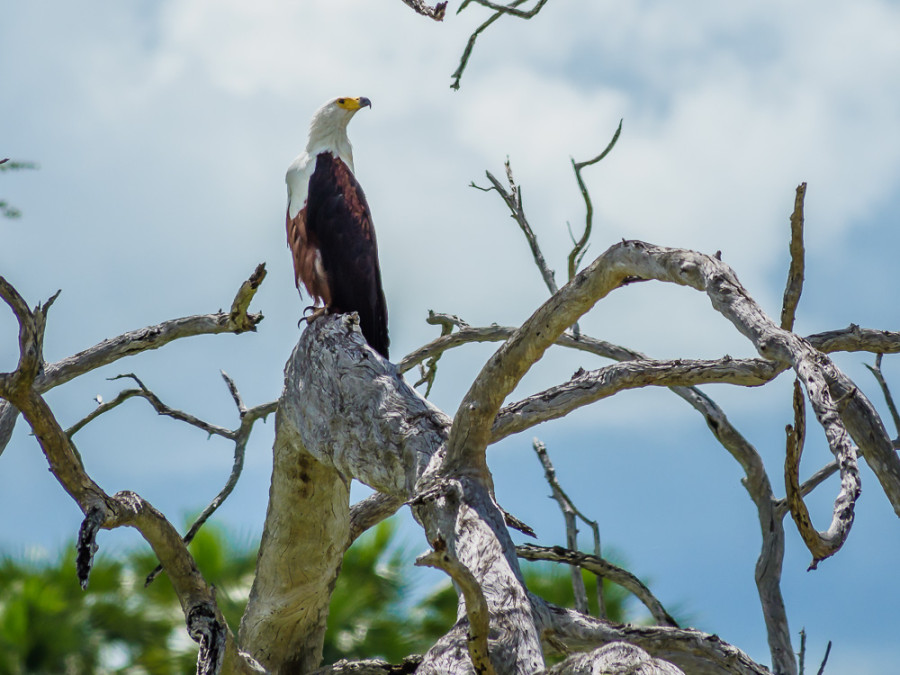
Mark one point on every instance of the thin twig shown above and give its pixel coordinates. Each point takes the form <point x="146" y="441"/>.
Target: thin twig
<point x="888" y="397"/>
<point x="604" y="568"/>
<point x="579" y="249"/>
<point x="240" y="437"/>
<point x="510" y="8"/>
<point x="795" y="276"/>
<point x="570" y="513"/>
<point x="513" y="200"/>
<point x="500" y="10"/>
<point x="428" y="371"/>
<point x="235" y="394"/>
<point x="810" y="484"/>
<point x="825" y="658"/>
<point x="180" y="415"/>
<point x="802" y="654"/>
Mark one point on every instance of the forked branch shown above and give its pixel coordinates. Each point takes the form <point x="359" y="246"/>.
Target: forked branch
<point x="499" y="11"/>
<point x="570" y="514"/>
<point x="238" y="320"/>
<point x="239" y="436"/>
<point x="580" y="247"/>
<point x="204" y="620"/>
<point x="886" y="391"/>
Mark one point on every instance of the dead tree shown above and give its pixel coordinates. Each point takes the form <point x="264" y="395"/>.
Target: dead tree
<point x="345" y="413"/>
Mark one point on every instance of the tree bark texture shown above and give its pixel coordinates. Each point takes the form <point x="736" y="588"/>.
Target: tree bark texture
<point x="347" y="413"/>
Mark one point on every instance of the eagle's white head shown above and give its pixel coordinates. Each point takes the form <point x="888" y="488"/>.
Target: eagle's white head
<point x="328" y="129"/>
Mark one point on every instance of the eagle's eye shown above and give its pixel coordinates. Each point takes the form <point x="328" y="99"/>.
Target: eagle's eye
<point x="340" y="101"/>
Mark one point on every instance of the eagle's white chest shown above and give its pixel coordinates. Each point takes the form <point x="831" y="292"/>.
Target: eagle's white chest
<point x="301" y="170"/>
<point x="297" y="179"/>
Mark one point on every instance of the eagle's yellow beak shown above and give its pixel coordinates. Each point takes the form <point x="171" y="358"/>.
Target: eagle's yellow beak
<point x="354" y="103"/>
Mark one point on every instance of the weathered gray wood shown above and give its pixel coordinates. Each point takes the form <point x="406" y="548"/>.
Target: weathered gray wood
<point x="350" y="413"/>
<point x="693" y="651"/>
<point x="617" y="658"/>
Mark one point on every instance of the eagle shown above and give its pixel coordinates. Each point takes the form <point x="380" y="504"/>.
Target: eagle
<point x="329" y="226"/>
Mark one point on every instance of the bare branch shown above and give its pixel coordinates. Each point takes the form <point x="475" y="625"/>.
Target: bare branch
<point x="370" y="511"/>
<point x="579" y="249"/>
<point x="636" y="260"/>
<point x="31" y="340"/>
<point x="151" y="337"/>
<point x="802" y="654"/>
<point x="824" y="658"/>
<point x="771" y="556"/>
<point x="500" y="10"/>
<point x="123" y="509"/>
<point x="820" y="544"/>
<point x="476" y="606"/>
<point x="235" y="394"/>
<point x="437" y="12"/>
<point x="162" y="409"/>
<point x="240" y="436"/>
<point x="133" y="342"/>
<point x="852" y="339"/>
<point x="856" y="339"/>
<point x="509" y="9"/>
<point x="513" y="200"/>
<point x="810" y="484"/>
<point x="617" y="657"/>
<point x="795" y="276"/>
<point x="570" y="512"/>
<point x="589" y="386"/>
<point x="429" y="371"/>
<point x="239" y="317"/>
<point x="103" y="408"/>
<point x="693" y="651"/>
<point x="885" y="390"/>
<point x="603" y="569"/>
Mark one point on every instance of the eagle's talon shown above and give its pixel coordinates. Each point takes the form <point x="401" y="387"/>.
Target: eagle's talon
<point x="319" y="311"/>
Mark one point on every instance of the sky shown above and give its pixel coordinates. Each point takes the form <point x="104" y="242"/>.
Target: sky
<point x="162" y="131"/>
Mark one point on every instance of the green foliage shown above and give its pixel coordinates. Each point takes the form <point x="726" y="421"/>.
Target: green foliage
<point x="369" y="608"/>
<point x="49" y="625"/>
<point x="7" y="210"/>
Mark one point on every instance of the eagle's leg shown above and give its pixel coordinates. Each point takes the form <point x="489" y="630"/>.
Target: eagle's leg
<point x="315" y="314"/>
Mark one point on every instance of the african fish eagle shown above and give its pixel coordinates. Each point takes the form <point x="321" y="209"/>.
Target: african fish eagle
<point x="329" y="225"/>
